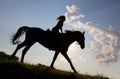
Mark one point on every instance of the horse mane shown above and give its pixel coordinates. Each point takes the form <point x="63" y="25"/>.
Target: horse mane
<point x="69" y="31"/>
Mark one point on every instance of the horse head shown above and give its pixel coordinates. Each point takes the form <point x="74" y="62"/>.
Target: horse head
<point x="80" y="38"/>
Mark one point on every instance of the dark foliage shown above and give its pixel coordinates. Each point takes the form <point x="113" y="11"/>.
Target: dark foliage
<point x="11" y="69"/>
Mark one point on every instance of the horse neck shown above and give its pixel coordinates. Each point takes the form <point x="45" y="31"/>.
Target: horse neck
<point x="75" y="36"/>
<point x="71" y="37"/>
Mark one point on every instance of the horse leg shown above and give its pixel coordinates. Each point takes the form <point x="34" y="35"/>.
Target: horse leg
<point x="68" y="59"/>
<point x="18" y="47"/>
<point x="25" y="50"/>
<point x="54" y="58"/>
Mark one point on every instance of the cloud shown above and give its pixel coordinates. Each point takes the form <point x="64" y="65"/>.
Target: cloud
<point x="106" y="40"/>
<point x="80" y="57"/>
<point x="72" y="53"/>
<point x="73" y="13"/>
<point x="92" y="45"/>
<point x="62" y="58"/>
<point x="73" y="48"/>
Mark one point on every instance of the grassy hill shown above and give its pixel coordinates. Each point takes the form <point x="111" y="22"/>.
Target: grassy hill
<point x="13" y="69"/>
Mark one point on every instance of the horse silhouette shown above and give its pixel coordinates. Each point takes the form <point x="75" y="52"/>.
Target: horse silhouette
<point x="58" y="42"/>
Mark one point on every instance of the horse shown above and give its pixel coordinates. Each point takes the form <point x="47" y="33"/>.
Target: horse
<point x="58" y="42"/>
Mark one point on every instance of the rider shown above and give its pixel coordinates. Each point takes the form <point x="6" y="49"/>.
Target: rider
<point x="59" y="25"/>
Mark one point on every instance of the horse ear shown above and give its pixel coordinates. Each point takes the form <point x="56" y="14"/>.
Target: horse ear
<point x="84" y="32"/>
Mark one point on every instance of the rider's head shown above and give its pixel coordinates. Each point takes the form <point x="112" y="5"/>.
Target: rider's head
<point x="62" y="18"/>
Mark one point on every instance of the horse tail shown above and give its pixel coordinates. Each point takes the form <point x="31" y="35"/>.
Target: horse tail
<point x="21" y="30"/>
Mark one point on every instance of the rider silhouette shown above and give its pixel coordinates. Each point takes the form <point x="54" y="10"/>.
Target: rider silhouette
<point x="59" y="25"/>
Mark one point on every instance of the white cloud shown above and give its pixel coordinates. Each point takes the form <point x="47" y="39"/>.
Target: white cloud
<point x="80" y="57"/>
<point x="63" y="59"/>
<point x="73" y="48"/>
<point x="72" y="53"/>
<point x="92" y="45"/>
<point x="73" y="12"/>
<point x="106" y="41"/>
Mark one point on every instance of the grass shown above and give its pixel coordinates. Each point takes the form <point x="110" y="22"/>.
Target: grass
<point x="13" y="69"/>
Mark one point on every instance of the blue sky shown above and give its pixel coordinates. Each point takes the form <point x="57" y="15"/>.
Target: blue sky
<point x="101" y="19"/>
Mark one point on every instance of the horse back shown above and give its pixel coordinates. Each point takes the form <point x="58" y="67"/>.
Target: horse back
<point x="52" y="41"/>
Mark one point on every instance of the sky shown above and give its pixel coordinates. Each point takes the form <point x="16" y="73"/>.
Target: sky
<point x="99" y="19"/>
